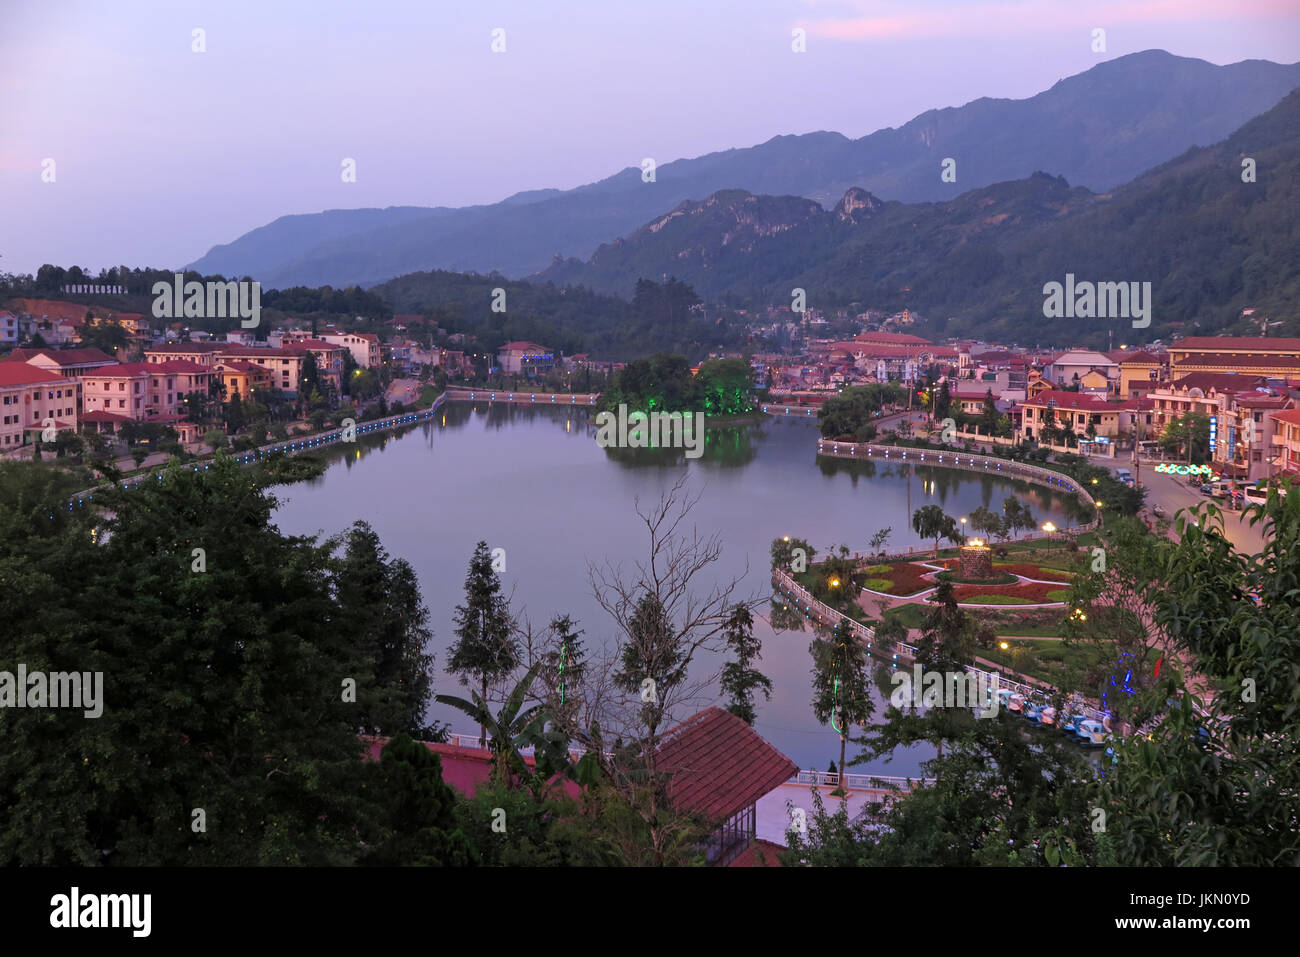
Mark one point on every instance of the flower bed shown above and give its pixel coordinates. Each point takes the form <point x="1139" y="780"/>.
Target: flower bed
<point x="1027" y="570"/>
<point x="903" y="578"/>
<point x="1033" y="593"/>
<point x="1001" y="579"/>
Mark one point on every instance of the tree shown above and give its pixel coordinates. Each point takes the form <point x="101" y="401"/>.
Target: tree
<point x="1017" y="516"/>
<point x="515" y="727"/>
<point x="989" y="414"/>
<point x="739" y="679"/>
<point x="379" y="597"/>
<point x="485" y="649"/>
<point x="105" y="335"/>
<point x="1213" y="780"/>
<point x="946" y="642"/>
<point x="215" y="439"/>
<point x="415" y="817"/>
<point x="879" y="540"/>
<point x="783" y="552"/>
<point x="663" y="621"/>
<point x="930" y="521"/>
<point x="841" y="694"/>
<point x="220" y="687"/>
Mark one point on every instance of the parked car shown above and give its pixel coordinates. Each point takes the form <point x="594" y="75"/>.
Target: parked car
<point x="1091" y="731"/>
<point x="1207" y="489"/>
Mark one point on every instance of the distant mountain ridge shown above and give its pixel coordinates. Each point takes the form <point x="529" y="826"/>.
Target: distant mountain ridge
<point x="1098" y="129"/>
<point x="1210" y="242"/>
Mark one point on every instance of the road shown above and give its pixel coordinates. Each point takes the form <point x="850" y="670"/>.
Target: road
<point x="404" y="391"/>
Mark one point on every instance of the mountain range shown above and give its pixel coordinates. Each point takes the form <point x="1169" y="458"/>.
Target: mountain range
<point x="1212" y="230"/>
<point x="1098" y="129"/>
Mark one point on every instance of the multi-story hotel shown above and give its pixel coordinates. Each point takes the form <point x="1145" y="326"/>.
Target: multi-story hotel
<point x="29" y="397"/>
<point x="1244" y="355"/>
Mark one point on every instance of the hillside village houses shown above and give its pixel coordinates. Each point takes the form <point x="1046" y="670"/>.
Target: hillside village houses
<point x="1249" y="386"/>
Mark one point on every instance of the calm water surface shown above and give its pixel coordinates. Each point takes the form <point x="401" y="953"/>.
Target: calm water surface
<point x="533" y="481"/>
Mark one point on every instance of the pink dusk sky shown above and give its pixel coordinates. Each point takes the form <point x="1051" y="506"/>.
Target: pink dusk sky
<point x="160" y="152"/>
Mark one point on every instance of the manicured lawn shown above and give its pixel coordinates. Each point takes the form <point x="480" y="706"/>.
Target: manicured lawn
<point x="996" y="600"/>
<point x="878" y="584"/>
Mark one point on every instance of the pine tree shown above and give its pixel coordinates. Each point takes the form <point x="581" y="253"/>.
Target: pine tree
<point x="739" y="680"/>
<point x="841" y="695"/>
<point x="485" y="649"/>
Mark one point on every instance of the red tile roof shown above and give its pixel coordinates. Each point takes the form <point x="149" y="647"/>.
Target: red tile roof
<point x="64" y="357"/>
<point x="124" y="369"/>
<point x="1218" y="381"/>
<point x="189" y="347"/>
<point x="101" y="416"/>
<point x="1215" y="343"/>
<point x="20" y="373"/>
<point x="1226" y="361"/>
<point x="1078" y="401"/>
<point x="463" y="768"/>
<point x="894" y="338"/>
<point x="720" y="765"/>
<point x="1142" y="356"/>
<point x="760" y="853"/>
<point x="1291" y="416"/>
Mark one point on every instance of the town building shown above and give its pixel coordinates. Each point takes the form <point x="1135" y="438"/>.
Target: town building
<point x="1072" y="365"/>
<point x="1285" y="443"/>
<point x="525" y="358"/>
<point x="29" y="397"/>
<point x="367" y="352"/>
<point x="241" y="378"/>
<point x="1244" y="355"/>
<point x="1073" y="411"/>
<point x="71" y="364"/>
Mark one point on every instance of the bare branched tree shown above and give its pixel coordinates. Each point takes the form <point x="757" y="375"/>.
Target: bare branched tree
<point x="665" y="617"/>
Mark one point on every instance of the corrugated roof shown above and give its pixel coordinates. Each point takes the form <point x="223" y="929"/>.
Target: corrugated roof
<point x="719" y="764"/>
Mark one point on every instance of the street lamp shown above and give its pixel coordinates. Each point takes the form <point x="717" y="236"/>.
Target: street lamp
<point x="1003" y="645"/>
<point x="1049" y="528"/>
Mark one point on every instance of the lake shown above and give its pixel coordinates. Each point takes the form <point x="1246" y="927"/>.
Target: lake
<point x="534" y="482"/>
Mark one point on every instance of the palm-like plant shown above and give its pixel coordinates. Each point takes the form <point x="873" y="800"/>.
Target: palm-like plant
<point x="515" y="727"/>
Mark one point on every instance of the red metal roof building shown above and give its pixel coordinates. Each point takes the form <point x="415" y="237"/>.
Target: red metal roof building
<point x="720" y="767"/>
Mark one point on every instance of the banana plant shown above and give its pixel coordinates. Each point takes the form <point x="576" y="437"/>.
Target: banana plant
<point x="516" y="727"/>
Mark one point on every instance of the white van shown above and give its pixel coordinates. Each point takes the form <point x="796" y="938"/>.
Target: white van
<point x="1258" y="494"/>
<point x="1221" y="489"/>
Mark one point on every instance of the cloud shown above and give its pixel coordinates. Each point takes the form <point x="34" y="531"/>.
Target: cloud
<point x="884" y="19"/>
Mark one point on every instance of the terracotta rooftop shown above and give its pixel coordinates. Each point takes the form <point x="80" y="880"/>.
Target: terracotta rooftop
<point x="1080" y="401"/>
<point x="720" y="765"/>
<point x="1215" y="343"/>
<point x="760" y="853"/>
<point x="64" y="357"/>
<point x="20" y="373"/>
<point x="189" y="347"/>
<point x="1227" y="361"/>
<point x="1218" y="381"/>
<point x="463" y="768"/>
